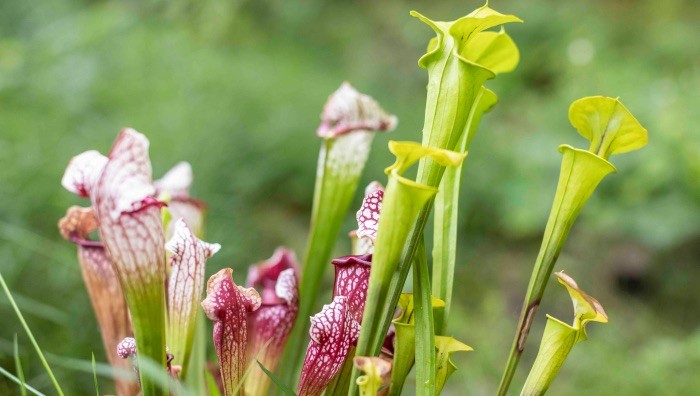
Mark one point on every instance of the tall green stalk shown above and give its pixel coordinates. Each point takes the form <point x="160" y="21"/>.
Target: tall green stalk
<point x="446" y="210"/>
<point x="333" y="194"/>
<point x="497" y="52"/>
<point x="455" y="82"/>
<point x="425" y="325"/>
<point x="404" y="200"/>
<point x="349" y="121"/>
<point x="405" y="341"/>
<point x="148" y="320"/>
<point x="611" y="129"/>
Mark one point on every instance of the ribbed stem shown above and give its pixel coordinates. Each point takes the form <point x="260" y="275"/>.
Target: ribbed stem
<point x="581" y="171"/>
<point x="335" y="187"/>
<point x="425" y="329"/>
<point x="148" y="320"/>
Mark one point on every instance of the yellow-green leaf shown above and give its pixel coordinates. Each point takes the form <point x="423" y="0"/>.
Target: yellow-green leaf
<point x="376" y="374"/>
<point x="495" y="51"/>
<point x="405" y="338"/>
<point x="454" y="81"/>
<point x="445" y="347"/>
<point x="586" y="308"/>
<point x="608" y="125"/>
<point x="408" y="153"/>
<point x="559" y="338"/>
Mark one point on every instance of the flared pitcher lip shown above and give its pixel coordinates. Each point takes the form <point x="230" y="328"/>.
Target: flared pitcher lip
<point x="566" y="147"/>
<point x="440" y="32"/>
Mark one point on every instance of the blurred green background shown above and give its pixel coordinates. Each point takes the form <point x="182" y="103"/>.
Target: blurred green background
<point x="235" y="87"/>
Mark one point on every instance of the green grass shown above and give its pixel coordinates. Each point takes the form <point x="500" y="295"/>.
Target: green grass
<point x="33" y="341"/>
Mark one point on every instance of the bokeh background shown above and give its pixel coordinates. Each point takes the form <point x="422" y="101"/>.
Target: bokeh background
<point x="235" y="87"/>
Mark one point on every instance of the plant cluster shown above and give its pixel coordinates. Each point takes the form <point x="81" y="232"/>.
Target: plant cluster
<point x="144" y="267"/>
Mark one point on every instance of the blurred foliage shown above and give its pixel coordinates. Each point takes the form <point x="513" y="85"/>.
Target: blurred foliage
<point x="235" y="87"/>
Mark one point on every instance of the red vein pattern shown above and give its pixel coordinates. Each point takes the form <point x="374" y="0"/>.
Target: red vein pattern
<point x="270" y="325"/>
<point x="368" y="218"/>
<point x="185" y="287"/>
<point x="333" y="331"/>
<point x="352" y="280"/>
<point x="121" y="191"/>
<point x="129" y="217"/>
<point x="102" y="285"/>
<point x="131" y="229"/>
<point x="368" y="215"/>
<point x="228" y="306"/>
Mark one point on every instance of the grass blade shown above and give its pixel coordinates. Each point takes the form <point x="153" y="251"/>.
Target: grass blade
<point x="284" y="388"/>
<point x="249" y="369"/>
<point x="30" y="335"/>
<point x="38" y="309"/>
<point x="94" y="375"/>
<point x="18" y="365"/>
<point x="85" y="366"/>
<point x="194" y="378"/>
<point x="241" y="383"/>
<point x="19" y="382"/>
<point x="212" y="387"/>
<point x="156" y="375"/>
